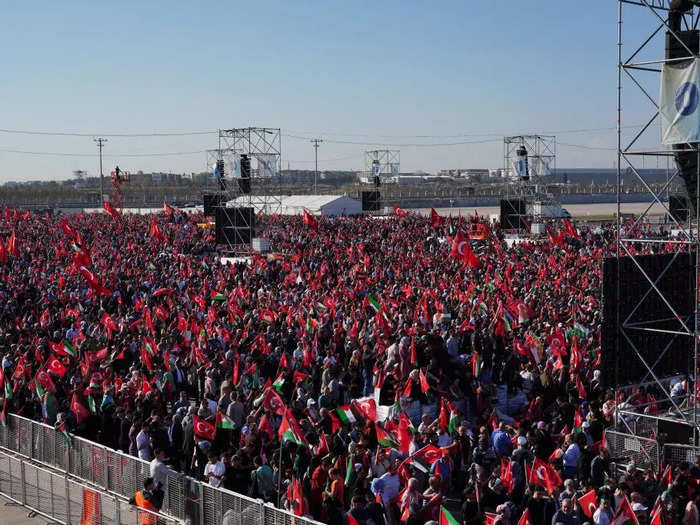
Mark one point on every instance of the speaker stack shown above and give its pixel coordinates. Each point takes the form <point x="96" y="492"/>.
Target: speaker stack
<point x="234" y="226"/>
<point x="679" y="207"/>
<point x="370" y="201"/>
<point x="211" y="202"/>
<point x="513" y="214"/>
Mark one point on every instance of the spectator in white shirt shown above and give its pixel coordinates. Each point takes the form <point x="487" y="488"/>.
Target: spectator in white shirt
<point x="143" y="443"/>
<point x="159" y="470"/>
<point x="214" y="471"/>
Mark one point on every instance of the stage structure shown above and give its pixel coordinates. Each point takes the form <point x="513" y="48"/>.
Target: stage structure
<point x="662" y="41"/>
<point x="247" y="168"/>
<point x="381" y="164"/>
<point x="528" y="162"/>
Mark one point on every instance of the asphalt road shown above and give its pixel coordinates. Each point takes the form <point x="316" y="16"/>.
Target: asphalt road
<point x="579" y="211"/>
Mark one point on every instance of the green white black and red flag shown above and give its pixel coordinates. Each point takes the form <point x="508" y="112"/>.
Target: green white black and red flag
<point x="345" y="414"/>
<point x="385" y="439"/>
<point x="224" y="422"/>
<point x="446" y="518"/>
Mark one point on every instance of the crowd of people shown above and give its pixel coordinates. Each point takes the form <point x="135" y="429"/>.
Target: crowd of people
<point x="371" y="370"/>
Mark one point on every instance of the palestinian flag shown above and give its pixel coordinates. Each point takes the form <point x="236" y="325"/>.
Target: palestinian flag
<point x="8" y="390"/>
<point x="278" y="384"/>
<point x="39" y="390"/>
<point x="69" y="348"/>
<point x="350" y="474"/>
<point x="64" y="433"/>
<point x="446" y="518"/>
<point x="216" y="296"/>
<point x="321" y="308"/>
<point x="286" y="432"/>
<point x="345" y="414"/>
<point x="224" y="422"/>
<point x="454" y="420"/>
<point x="384" y="438"/>
<point x="371" y="301"/>
<point x="477" y="365"/>
<point x="578" y="330"/>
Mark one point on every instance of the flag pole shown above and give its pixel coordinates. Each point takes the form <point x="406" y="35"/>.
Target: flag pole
<point x="279" y="476"/>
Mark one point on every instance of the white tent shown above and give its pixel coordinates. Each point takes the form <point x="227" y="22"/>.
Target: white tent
<point x="314" y="204"/>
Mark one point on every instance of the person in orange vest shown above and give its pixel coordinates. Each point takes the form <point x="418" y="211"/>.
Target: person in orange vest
<point x="151" y="499"/>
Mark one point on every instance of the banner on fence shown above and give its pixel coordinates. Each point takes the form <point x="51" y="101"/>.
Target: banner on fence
<point x="91" y="508"/>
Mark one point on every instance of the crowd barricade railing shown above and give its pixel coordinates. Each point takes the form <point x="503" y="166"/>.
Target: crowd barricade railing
<point x="625" y="447"/>
<point x="63" y="499"/>
<point x="186" y="499"/>
<point x="676" y="453"/>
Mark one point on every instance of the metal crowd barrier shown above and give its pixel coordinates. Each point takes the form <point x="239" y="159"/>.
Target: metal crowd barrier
<point x="64" y="500"/>
<point x="186" y="499"/>
<point x="675" y="453"/>
<point x="623" y="446"/>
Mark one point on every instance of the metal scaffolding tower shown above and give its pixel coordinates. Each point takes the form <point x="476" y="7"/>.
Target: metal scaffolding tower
<point x="382" y="163"/>
<point x="638" y="79"/>
<point x="256" y="152"/>
<point x="541" y="152"/>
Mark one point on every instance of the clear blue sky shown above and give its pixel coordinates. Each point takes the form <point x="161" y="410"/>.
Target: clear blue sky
<point x="363" y="71"/>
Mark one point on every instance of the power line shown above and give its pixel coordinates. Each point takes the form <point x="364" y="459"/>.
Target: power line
<point x="112" y="155"/>
<point x="410" y="145"/>
<point x="71" y="134"/>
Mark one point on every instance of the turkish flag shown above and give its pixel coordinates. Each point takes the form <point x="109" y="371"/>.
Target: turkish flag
<point x="543" y="474"/>
<point x="588" y="503"/>
<point x="110" y="209"/>
<point x="624" y="513"/>
<point x="273" y="402"/>
<point x="429" y="454"/>
<point x="462" y="251"/>
<point x="367" y="407"/>
<point x="435" y="219"/>
<point x="525" y="519"/>
<point x="81" y="413"/>
<point x="399" y="212"/>
<point x="310" y="220"/>
<point x="203" y="428"/>
<point x="55" y="366"/>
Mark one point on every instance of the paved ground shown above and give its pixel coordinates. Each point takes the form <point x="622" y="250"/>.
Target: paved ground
<point x="576" y="210"/>
<point x="11" y="513"/>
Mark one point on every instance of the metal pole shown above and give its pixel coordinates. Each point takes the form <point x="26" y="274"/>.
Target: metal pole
<point x="100" y="143"/>
<point x="316" y="143"/>
<point x="617" y="193"/>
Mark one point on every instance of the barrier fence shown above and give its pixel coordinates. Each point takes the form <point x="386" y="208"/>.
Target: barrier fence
<point x="623" y="446"/>
<point x="186" y="499"/>
<point x="65" y="500"/>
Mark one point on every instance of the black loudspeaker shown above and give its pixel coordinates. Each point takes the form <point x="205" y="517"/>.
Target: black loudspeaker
<point x="686" y="161"/>
<point x="622" y="365"/>
<point x="244" y="181"/>
<point x="679" y="207"/>
<point x="211" y="202"/>
<point x="234" y="225"/>
<point x="672" y="432"/>
<point x="513" y="214"/>
<point x="370" y="201"/>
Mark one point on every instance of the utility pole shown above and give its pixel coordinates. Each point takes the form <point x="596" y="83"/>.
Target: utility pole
<point x="100" y="143"/>
<point x="316" y="143"/>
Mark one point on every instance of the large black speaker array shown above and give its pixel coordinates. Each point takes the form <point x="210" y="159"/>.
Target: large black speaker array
<point x="211" y="202"/>
<point x="513" y="214"/>
<point x="371" y="201"/>
<point x="678" y="287"/>
<point x="234" y="225"/>
<point x="679" y="207"/>
<point x="244" y="181"/>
